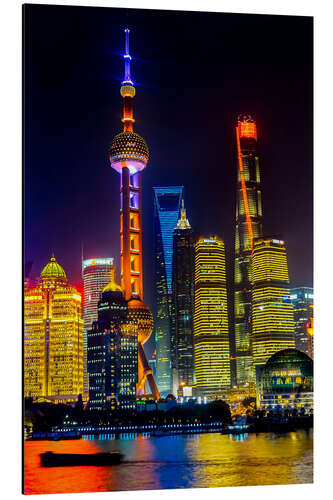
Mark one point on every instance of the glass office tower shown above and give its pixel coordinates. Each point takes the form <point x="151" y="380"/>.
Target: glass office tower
<point x="96" y="275"/>
<point x="248" y="227"/>
<point x="167" y="203"/>
<point x="211" y="331"/>
<point x="272" y="310"/>
<point x="302" y="300"/>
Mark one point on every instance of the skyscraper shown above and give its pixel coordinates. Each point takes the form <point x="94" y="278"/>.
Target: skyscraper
<point x="167" y="203"/>
<point x="272" y="310"/>
<point x="95" y="275"/>
<point x="309" y="331"/>
<point x="182" y="345"/>
<point x="112" y="353"/>
<point x="129" y="156"/>
<point x="211" y="332"/>
<point x="248" y="227"/>
<point x="302" y="299"/>
<point x="53" y="337"/>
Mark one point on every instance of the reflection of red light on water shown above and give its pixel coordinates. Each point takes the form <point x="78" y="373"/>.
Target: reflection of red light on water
<point x="39" y="480"/>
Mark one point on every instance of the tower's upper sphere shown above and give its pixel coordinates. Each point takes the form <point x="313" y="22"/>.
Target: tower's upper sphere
<point x="127" y="91"/>
<point x="141" y="316"/>
<point x="53" y="270"/>
<point x="129" y="148"/>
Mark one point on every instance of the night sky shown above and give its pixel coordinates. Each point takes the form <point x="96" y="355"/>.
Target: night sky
<point x="193" y="73"/>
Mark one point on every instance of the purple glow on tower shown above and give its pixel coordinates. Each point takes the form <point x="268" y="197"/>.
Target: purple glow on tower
<point x="127" y="57"/>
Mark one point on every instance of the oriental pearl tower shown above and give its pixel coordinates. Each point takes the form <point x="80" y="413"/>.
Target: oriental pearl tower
<point x="129" y="155"/>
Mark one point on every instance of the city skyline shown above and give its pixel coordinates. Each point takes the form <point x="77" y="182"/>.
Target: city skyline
<point x="90" y="160"/>
<point x="208" y="303"/>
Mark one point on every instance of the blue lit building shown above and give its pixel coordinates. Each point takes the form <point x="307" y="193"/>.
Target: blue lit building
<point x="167" y="204"/>
<point x="302" y="300"/>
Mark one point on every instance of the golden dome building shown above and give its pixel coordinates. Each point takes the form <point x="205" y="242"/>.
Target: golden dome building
<point x="53" y="338"/>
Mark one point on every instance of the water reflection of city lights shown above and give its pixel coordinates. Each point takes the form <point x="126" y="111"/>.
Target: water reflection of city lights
<point x="238" y="437"/>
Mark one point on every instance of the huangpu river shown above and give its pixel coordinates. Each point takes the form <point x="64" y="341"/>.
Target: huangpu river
<point x="177" y="461"/>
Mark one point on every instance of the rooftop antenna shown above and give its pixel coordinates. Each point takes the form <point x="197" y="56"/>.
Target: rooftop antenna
<point x="127" y="57"/>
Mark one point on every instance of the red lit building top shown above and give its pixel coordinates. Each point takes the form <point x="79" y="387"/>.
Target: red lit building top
<point x="248" y="130"/>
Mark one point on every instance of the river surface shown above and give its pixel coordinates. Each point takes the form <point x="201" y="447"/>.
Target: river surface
<point x="180" y="461"/>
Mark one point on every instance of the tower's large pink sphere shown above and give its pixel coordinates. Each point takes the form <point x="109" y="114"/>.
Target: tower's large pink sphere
<point x="140" y="315"/>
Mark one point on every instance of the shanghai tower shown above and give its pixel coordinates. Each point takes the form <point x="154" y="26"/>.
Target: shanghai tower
<point x="248" y="227"/>
<point x="129" y="156"/>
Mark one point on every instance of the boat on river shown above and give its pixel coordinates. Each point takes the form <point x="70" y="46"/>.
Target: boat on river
<point x="50" y="459"/>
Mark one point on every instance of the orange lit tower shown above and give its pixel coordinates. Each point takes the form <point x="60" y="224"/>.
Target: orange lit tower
<point x="129" y="156"/>
<point x="248" y="227"/>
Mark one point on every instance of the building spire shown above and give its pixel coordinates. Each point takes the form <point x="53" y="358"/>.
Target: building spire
<point x="127" y="89"/>
<point x="127" y="57"/>
<point x="183" y="223"/>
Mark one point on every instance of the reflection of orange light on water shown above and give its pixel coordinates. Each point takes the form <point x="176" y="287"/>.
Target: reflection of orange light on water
<point x="202" y="460"/>
<point x="39" y="479"/>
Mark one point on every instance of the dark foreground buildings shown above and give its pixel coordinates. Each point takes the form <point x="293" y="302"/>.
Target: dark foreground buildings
<point x="112" y="356"/>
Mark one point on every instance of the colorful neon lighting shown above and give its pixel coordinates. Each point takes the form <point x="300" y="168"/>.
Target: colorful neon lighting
<point x="247" y="129"/>
<point x="127" y="57"/>
<point x="125" y="160"/>
<point x="246" y="202"/>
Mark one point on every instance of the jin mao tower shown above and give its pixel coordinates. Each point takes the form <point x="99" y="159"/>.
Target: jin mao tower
<point x="183" y="301"/>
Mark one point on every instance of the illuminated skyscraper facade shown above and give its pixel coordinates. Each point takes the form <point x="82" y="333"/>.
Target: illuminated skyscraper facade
<point x="129" y="156"/>
<point x="53" y="337"/>
<point x="248" y="227"/>
<point x="182" y="344"/>
<point x="112" y="354"/>
<point x="302" y="300"/>
<point x="309" y="332"/>
<point x="167" y="203"/>
<point x="272" y="310"/>
<point x="211" y="332"/>
<point x="96" y="275"/>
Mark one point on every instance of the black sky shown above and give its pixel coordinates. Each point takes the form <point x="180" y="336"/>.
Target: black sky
<point x="194" y="73"/>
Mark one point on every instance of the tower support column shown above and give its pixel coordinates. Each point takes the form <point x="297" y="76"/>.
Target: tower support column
<point x="125" y="250"/>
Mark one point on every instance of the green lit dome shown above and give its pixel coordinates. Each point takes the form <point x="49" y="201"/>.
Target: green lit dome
<point x="286" y="371"/>
<point x="128" y="146"/>
<point x="53" y="270"/>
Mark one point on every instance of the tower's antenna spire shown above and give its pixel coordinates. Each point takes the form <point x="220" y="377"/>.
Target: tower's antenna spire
<point x="127" y="57"/>
<point x="127" y="89"/>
